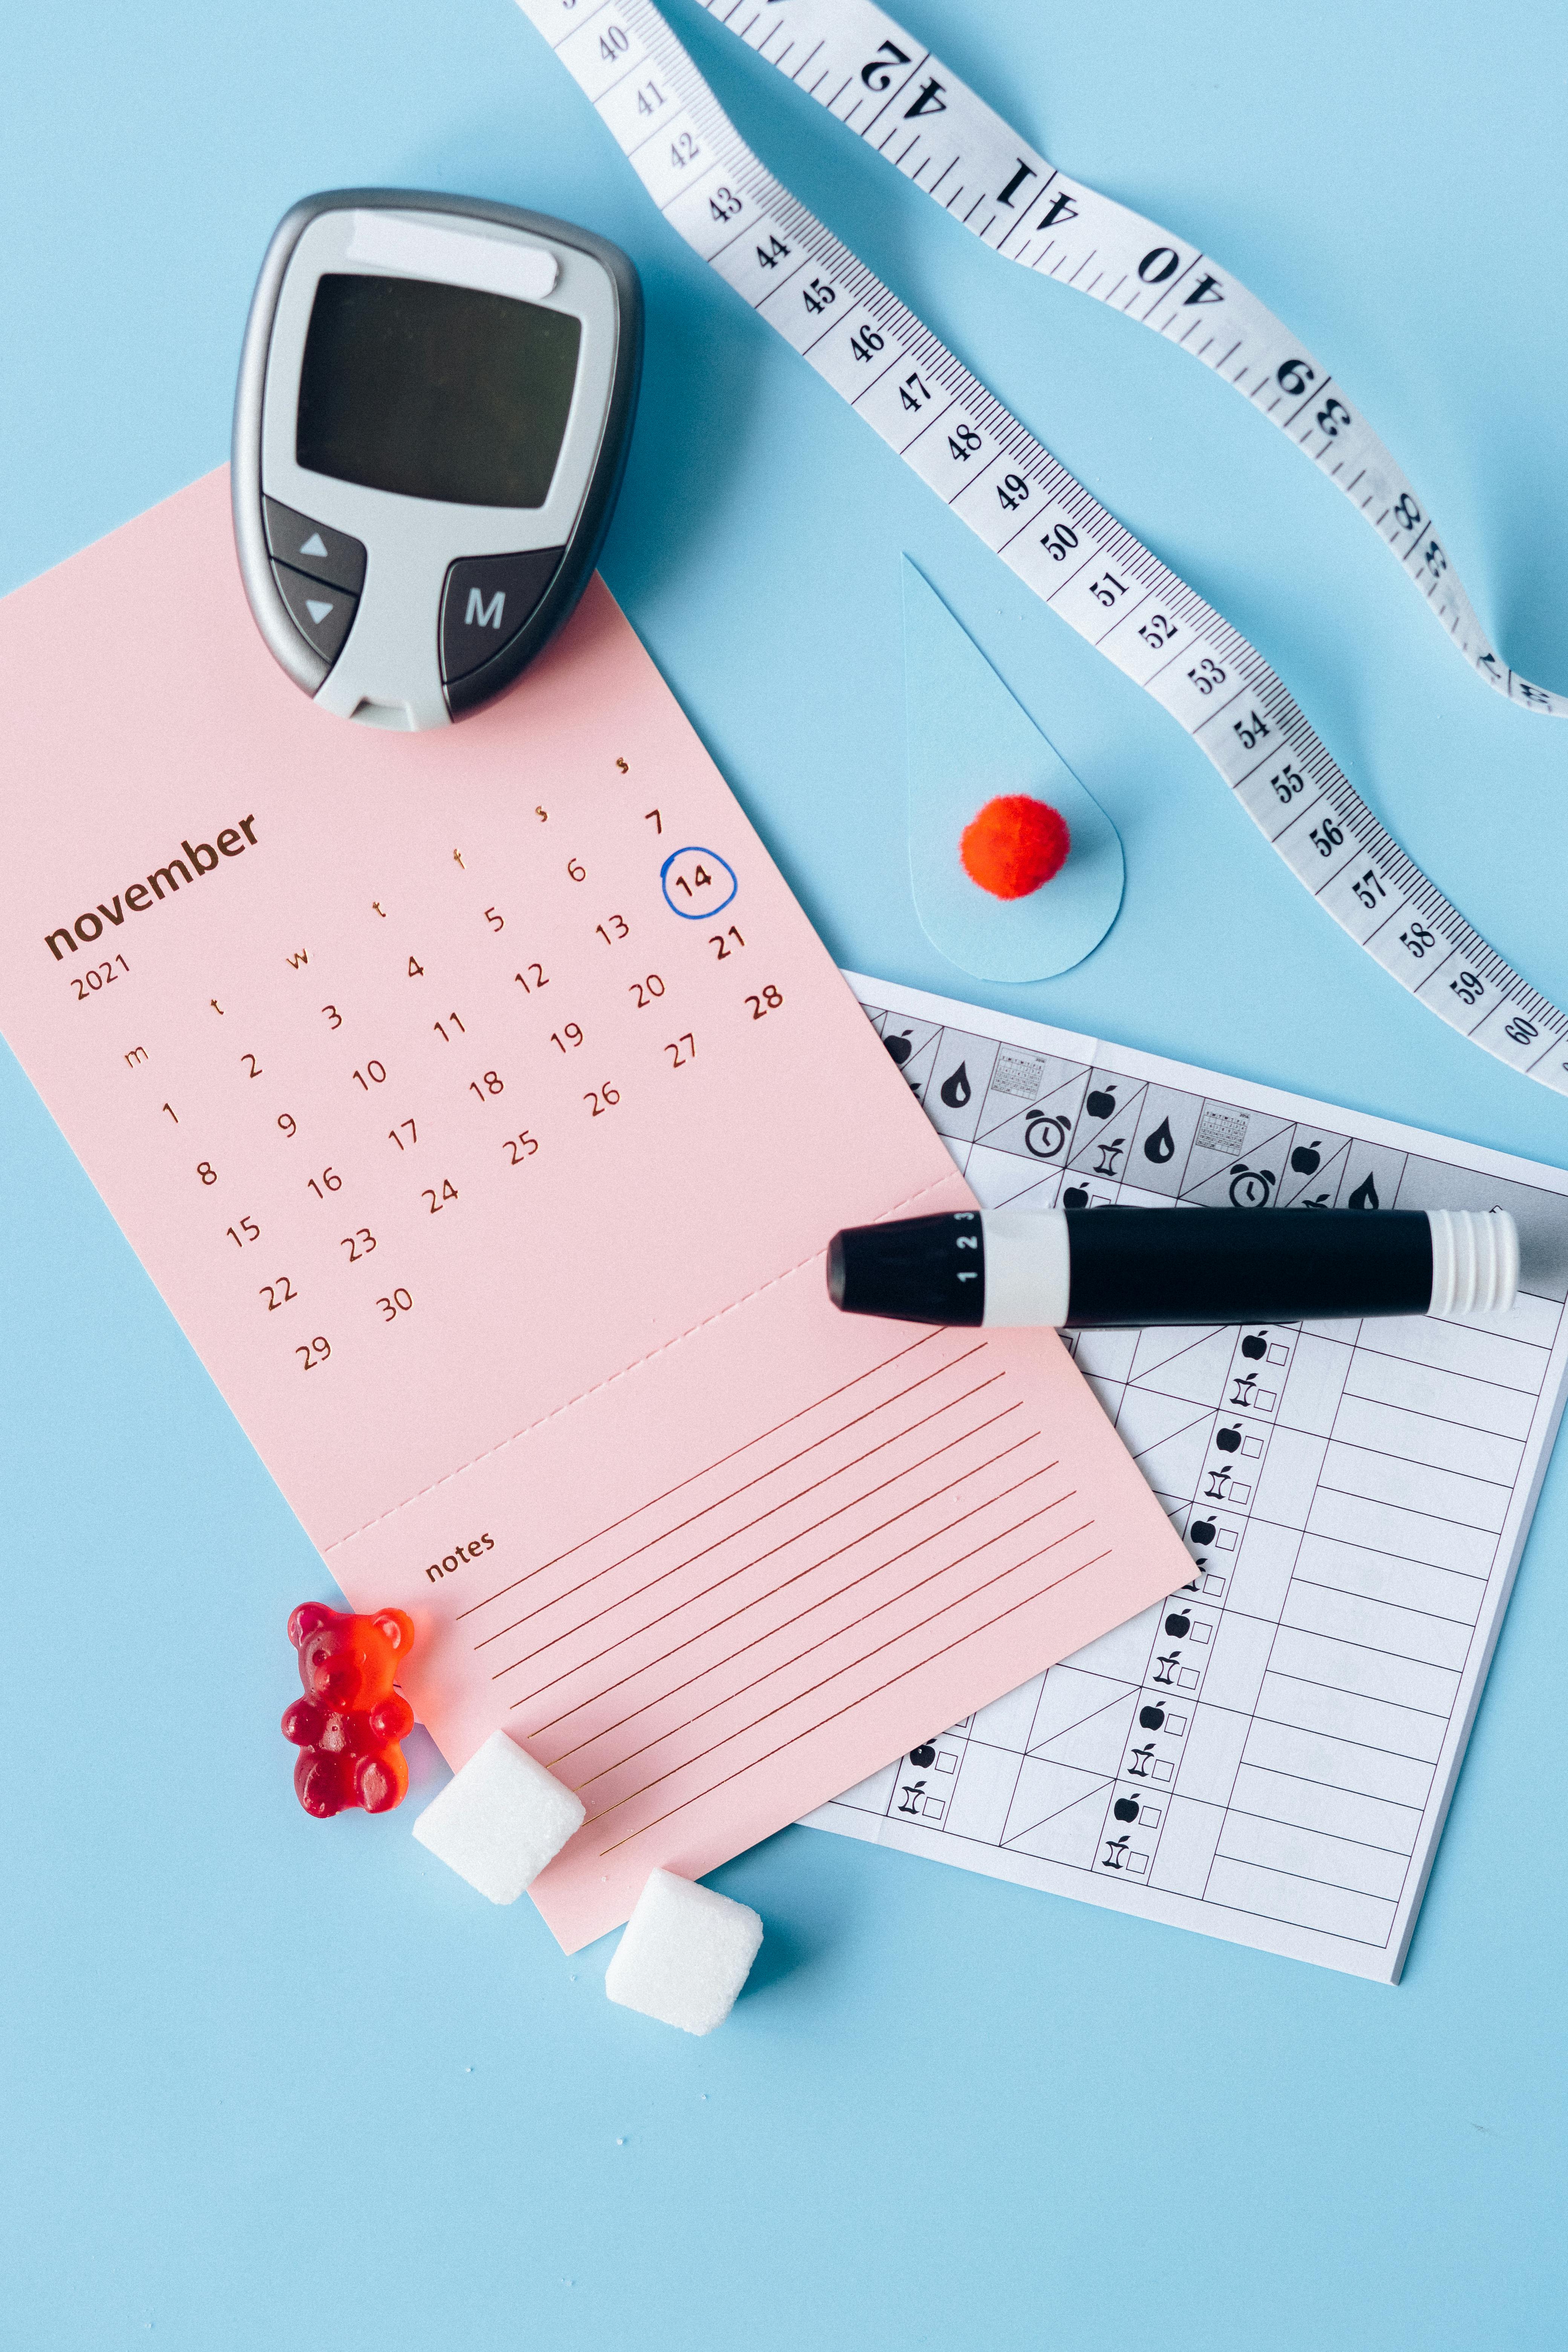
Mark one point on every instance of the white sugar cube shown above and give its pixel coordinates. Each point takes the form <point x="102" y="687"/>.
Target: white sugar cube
<point x="685" y="1954"/>
<point x="498" y="1820"/>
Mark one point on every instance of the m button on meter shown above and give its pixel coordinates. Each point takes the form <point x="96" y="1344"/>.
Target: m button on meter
<point x="485" y="602"/>
<point x="435" y="401"/>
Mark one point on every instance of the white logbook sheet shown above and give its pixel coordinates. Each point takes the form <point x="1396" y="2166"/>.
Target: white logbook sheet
<point x="1269" y="1754"/>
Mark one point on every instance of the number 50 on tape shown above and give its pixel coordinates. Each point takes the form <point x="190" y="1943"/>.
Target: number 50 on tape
<point x="992" y="473"/>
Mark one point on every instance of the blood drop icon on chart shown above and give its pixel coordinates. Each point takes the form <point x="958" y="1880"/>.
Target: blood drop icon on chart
<point x="1016" y="870"/>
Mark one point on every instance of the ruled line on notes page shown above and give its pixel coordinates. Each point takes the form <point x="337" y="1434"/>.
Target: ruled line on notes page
<point x="920" y="1541"/>
<point x="611" y="1379"/>
<point x="720" y="1541"/>
<point x="641" y="1590"/>
<point x="773" y="1508"/>
<point x="681" y="1484"/>
<point x="860" y="1698"/>
<point x="878" y="1609"/>
<point x="910" y="1496"/>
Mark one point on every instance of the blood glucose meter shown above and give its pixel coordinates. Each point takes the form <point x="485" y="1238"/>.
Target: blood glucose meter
<point x="436" y="397"/>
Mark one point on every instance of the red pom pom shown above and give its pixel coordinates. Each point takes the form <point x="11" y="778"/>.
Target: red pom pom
<point x="1014" y="846"/>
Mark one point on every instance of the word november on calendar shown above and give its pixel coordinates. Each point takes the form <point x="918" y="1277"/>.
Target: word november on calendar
<point x="481" y="1103"/>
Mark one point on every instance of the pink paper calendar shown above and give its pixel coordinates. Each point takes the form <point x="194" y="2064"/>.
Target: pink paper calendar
<point x="481" y="1103"/>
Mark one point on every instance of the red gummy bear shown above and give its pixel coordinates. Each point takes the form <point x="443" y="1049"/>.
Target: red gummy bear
<point x="349" y="1723"/>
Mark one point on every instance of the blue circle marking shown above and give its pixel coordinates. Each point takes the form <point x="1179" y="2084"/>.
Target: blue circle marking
<point x="716" y="906"/>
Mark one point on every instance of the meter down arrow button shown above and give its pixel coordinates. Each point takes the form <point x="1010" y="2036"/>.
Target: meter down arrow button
<point x="322" y="614"/>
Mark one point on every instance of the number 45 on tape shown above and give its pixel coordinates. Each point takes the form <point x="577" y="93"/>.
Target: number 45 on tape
<point x="860" y="338"/>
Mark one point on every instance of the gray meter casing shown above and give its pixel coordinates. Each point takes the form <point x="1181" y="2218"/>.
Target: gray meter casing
<point x="409" y="611"/>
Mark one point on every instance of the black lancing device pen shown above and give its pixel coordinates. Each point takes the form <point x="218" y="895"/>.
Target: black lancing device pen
<point x="1011" y="1268"/>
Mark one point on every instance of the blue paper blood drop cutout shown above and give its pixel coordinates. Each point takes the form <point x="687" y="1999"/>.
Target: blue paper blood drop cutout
<point x="1015" y="869"/>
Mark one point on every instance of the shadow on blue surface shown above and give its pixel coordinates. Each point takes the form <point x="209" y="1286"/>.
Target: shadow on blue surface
<point x="262" y="2078"/>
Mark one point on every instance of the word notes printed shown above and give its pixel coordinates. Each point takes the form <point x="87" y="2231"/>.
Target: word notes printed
<point x="482" y="1102"/>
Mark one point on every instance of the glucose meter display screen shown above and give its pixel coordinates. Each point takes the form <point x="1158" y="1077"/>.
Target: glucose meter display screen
<point x="434" y="392"/>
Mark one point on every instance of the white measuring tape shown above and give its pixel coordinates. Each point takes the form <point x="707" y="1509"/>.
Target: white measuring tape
<point x="1007" y="487"/>
<point x="877" y="79"/>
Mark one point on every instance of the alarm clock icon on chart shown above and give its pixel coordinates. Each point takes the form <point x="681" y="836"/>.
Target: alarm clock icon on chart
<point x="435" y="403"/>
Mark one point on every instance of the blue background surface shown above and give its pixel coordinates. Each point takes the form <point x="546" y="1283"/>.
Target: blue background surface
<point x="266" y="2081"/>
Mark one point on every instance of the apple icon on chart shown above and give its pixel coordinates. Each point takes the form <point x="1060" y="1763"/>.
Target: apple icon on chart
<point x="1229" y="1440"/>
<point x="1306" y="1160"/>
<point x="1075" y="1197"/>
<point x="1152" y="1717"/>
<point x="1255" y="1347"/>
<point x="1100" y="1103"/>
<point x="1202" y="1531"/>
<point x="1178" y="1624"/>
<point x="923" y="1757"/>
<point x="1125" y="1809"/>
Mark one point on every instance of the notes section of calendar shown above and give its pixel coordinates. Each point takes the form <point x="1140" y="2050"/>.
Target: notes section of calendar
<point x="1267" y="1755"/>
<point x="481" y="1104"/>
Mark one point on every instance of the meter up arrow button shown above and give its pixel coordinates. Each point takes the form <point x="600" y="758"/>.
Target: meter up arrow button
<point x="307" y="545"/>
